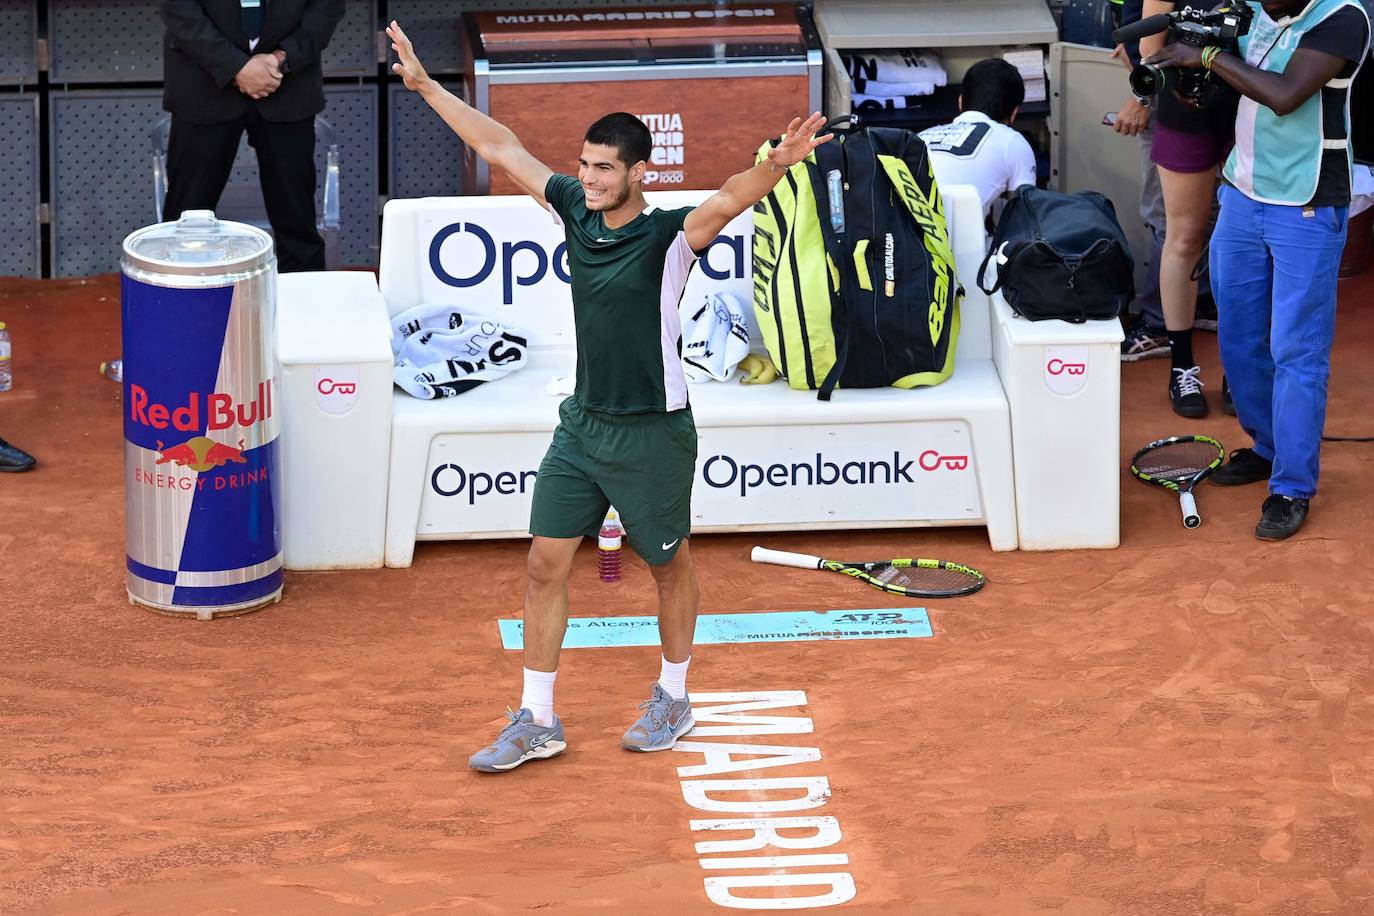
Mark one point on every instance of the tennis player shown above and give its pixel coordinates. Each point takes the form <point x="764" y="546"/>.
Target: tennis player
<point x="626" y="434"/>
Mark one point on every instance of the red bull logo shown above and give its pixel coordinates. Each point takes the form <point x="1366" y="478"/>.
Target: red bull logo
<point x="200" y="454"/>
<point x="220" y="410"/>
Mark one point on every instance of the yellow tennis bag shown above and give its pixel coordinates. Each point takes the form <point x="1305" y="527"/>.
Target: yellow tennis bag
<point x="854" y="280"/>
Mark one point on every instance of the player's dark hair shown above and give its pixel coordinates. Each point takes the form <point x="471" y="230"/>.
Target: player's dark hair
<point x="631" y="139"/>
<point x="993" y="87"/>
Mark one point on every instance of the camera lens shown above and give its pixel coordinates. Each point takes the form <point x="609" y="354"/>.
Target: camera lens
<point x="1147" y="80"/>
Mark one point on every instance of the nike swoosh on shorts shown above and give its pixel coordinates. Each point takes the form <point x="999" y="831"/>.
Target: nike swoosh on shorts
<point x="669" y="545"/>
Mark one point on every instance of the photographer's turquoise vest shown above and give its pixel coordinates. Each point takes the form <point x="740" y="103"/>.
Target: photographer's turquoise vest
<point x="1277" y="160"/>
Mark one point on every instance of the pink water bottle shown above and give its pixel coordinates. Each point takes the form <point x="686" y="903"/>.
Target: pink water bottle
<point x="608" y="544"/>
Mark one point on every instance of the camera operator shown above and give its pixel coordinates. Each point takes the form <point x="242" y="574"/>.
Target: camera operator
<point x="1145" y="336"/>
<point x="1277" y="247"/>
<point x="1188" y="146"/>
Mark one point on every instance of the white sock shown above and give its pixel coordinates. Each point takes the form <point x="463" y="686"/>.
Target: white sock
<point x="672" y="677"/>
<point x="538" y="695"/>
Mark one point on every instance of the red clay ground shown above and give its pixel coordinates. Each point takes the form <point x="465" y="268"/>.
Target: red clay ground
<point x="1184" y="725"/>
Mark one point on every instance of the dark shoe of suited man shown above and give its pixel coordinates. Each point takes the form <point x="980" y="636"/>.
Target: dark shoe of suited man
<point x="13" y="459"/>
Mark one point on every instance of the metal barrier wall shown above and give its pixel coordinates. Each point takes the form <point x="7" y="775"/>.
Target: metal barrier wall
<point x="120" y="41"/>
<point x="425" y="157"/>
<point x="352" y="110"/>
<point x="100" y="178"/>
<point x="20" y="163"/>
<point x="18" y="43"/>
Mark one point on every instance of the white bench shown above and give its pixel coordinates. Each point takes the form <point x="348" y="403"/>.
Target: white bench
<point x="1013" y="441"/>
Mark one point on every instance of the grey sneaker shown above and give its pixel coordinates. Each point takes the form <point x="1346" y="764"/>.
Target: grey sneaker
<point x="519" y="741"/>
<point x="664" y="721"/>
<point x="1144" y="342"/>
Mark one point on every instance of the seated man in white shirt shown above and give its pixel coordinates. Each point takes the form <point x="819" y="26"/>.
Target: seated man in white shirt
<point x="979" y="147"/>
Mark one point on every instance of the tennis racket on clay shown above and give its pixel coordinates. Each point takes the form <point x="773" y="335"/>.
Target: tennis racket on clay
<point x="1179" y="463"/>
<point x="911" y="578"/>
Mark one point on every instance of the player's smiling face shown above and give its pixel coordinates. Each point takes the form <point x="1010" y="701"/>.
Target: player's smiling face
<point x="605" y="178"/>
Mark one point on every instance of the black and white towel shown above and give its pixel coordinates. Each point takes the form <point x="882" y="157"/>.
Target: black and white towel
<point x="715" y="337"/>
<point x="895" y="73"/>
<point x="442" y="350"/>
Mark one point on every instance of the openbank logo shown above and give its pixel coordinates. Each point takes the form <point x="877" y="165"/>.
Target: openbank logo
<point x="526" y="262"/>
<point x="454" y="480"/>
<point x="723" y="472"/>
<point x="1066" y="370"/>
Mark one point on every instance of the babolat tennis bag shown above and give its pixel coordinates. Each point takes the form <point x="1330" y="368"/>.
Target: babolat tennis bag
<point x="1060" y="256"/>
<point x="854" y="282"/>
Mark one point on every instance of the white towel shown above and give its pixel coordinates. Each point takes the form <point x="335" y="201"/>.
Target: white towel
<point x="1362" y="191"/>
<point x="1029" y="62"/>
<point x="715" y="337"/>
<point x="442" y="351"/>
<point x="897" y="67"/>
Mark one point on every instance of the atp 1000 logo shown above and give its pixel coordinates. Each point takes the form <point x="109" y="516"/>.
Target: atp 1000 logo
<point x="669" y="148"/>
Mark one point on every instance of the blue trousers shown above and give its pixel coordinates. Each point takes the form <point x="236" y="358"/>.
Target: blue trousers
<point x="1274" y="274"/>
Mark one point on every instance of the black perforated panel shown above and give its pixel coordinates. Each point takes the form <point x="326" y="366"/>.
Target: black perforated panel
<point x="104" y="41"/>
<point x="18" y="42"/>
<point x="426" y="157"/>
<point x="120" y="41"/>
<point x="353" y="113"/>
<point x="19" y="171"/>
<point x="435" y="30"/>
<point x="353" y="49"/>
<point x="101" y="174"/>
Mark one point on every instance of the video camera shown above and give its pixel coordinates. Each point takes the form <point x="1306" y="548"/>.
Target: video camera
<point x="1201" y="28"/>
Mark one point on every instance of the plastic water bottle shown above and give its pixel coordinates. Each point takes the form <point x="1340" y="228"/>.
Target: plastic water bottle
<point x="608" y="543"/>
<point x="6" y="373"/>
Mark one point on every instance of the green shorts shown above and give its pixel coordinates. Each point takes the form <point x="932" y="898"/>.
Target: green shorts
<point x="642" y="463"/>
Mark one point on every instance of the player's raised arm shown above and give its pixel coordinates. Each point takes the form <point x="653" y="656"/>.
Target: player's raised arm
<point x="489" y="138"/>
<point x="742" y="191"/>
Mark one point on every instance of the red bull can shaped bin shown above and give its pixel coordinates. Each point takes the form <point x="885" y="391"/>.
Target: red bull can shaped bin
<point x="202" y="492"/>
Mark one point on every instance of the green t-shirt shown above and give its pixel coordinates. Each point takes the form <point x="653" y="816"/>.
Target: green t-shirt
<point x="626" y="286"/>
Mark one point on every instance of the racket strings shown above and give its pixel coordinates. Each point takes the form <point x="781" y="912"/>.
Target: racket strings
<point x="924" y="579"/>
<point x="1177" y="460"/>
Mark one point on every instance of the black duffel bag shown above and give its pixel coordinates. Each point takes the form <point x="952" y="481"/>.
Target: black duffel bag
<point x="1060" y="256"/>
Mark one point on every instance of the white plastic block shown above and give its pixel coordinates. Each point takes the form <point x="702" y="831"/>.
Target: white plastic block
<point x="335" y="389"/>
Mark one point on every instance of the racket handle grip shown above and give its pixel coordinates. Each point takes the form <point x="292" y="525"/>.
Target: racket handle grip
<point x="783" y="558"/>
<point x="1190" y="517"/>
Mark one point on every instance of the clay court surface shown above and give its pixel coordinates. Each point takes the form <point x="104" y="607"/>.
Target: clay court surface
<point x="1184" y="725"/>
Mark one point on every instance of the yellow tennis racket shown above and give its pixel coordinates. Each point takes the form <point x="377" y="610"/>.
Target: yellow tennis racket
<point x="1179" y="463"/>
<point x="914" y="578"/>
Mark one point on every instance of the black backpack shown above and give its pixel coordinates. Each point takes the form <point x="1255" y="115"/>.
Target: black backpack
<point x="1060" y="256"/>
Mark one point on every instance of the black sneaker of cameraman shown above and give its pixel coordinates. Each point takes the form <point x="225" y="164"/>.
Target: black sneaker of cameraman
<point x="1185" y="377"/>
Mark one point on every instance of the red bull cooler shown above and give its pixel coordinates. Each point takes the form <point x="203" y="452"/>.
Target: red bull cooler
<point x="202" y="491"/>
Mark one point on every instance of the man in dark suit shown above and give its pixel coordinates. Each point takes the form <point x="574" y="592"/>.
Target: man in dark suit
<point x="236" y="65"/>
